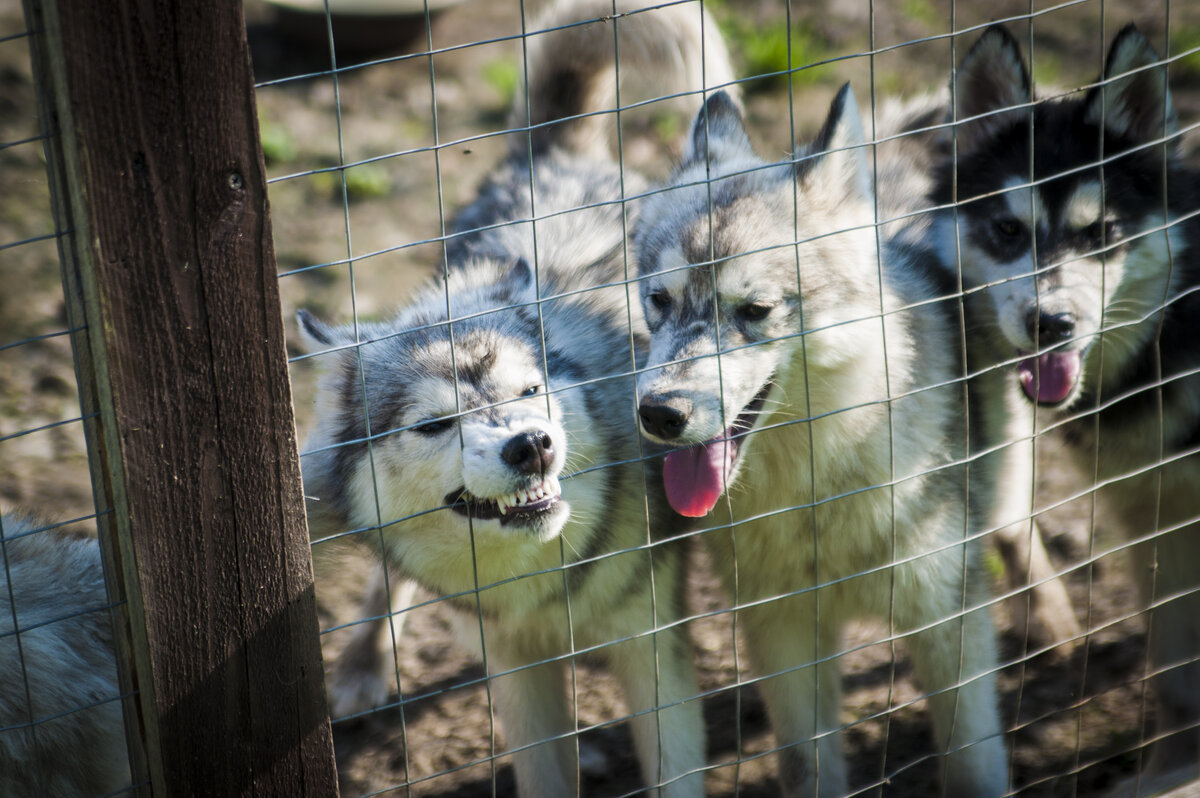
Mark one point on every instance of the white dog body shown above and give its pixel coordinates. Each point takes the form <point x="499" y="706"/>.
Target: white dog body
<point x="488" y="431"/>
<point x="821" y="388"/>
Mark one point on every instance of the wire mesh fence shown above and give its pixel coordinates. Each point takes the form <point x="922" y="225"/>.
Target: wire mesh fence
<point x="981" y="319"/>
<point x="1079" y="681"/>
<point x="61" y="729"/>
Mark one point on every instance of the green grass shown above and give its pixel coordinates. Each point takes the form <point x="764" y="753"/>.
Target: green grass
<point x="763" y="51"/>
<point x="1184" y="38"/>
<point x="368" y="181"/>
<point x="993" y="563"/>
<point x="924" y="12"/>
<point x="278" y="144"/>
<point x="504" y="77"/>
<point x="1047" y="69"/>
<point x="363" y="182"/>
<point x="667" y="127"/>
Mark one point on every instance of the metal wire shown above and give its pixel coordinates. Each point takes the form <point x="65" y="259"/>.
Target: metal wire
<point x="351" y="275"/>
<point x="893" y="704"/>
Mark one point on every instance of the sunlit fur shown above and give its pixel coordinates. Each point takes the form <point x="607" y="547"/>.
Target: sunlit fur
<point x="533" y="330"/>
<point x="60" y="667"/>
<point x="847" y="498"/>
<point x="1116" y="250"/>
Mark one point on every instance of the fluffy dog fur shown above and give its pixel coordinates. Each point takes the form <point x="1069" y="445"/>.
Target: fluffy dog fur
<point x="60" y="718"/>
<point x="488" y="429"/>
<point x="1083" y="273"/>
<point x="814" y="375"/>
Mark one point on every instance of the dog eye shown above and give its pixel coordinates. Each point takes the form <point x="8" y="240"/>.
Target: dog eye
<point x="1008" y="227"/>
<point x="433" y="427"/>
<point x="532" y="390"/>
<point x="660" y="299"/>
<point x="753" y="311"/>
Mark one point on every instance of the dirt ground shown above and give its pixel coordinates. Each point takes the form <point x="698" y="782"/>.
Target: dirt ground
<point x="1074" y="715"/>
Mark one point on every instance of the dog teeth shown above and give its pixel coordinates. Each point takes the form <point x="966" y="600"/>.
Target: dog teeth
<point x="549" y="488"/>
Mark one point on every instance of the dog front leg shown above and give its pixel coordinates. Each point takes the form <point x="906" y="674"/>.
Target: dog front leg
<point x="363" y="675"/>
<point x="1041" y="612"/>
<point x="531" y="701"/>
<point x="955" y="661"/>
<point x="802" y="699"/>
<point x="656" y="671"/>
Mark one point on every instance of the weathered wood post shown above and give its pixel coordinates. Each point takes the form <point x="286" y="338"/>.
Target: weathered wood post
<point x="169" y="263"/>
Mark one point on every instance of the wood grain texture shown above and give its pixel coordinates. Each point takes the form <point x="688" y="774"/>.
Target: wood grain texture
<point x="172" y="247"/>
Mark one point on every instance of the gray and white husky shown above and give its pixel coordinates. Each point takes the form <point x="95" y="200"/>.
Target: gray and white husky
<point x="812" y="374"/>
<point x="61" y="731"/>
<point x="1082" y="267"/>
<point x="488" y="430"/>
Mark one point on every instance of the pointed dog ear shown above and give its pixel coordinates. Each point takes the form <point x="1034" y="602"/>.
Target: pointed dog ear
<point x="1132" y="98"/>
<point x="718" y="133"/>
<point x="991" y="78"/>
<point x="316" y="334"/>
<point x="520" y="276"/>
<point x="518" y="285"/>
<point x="839" y="163"/>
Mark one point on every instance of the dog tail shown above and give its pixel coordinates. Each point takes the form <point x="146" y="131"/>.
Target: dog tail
<point x="578" y="49"/>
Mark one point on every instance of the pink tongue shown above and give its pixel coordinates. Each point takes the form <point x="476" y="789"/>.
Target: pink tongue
<point x="695" y="477"/>
<point x="1049" y="378"/>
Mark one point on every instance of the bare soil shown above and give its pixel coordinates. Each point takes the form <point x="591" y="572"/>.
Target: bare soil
<point x="1075" y="714"/>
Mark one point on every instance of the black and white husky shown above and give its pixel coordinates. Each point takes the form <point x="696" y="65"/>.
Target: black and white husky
<point x="812" y="375"/>
<point x="1077" y="236"/>
<point x="60" y="712"/>
<point x="489" y="429"/>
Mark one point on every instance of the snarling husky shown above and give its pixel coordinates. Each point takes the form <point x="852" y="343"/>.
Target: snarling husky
<point x="61" y="731"/>
<point x="810" y="374"/>
<point x="1076" y="235"/>
<point x="488" y="430"/>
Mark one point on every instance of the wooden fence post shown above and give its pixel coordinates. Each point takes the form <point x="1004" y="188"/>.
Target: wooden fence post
<point x="169" y="261"/>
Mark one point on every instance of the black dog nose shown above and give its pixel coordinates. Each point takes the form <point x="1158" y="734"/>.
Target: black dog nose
<point x="1049" y="329"/>
<point x="531" y="452"/>
<point x="664" y="420"/>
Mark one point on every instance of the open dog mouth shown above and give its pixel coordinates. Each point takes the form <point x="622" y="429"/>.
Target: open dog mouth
<point x="695" y="477"/>
<point x="1049" y="378"/>
<point x="519" y="507"/>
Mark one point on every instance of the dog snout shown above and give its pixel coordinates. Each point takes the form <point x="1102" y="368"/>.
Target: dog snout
<point x="664" y="417"/>
<point x="1048" y="328"/>
<point x="531" y="452"/>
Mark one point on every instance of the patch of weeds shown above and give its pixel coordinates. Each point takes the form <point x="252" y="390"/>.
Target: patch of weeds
<point x="503" y="76"/>
<point x="278" y="144"/>
<point x="368" y="181"/>
<point x="924" y="12"/>
<point x="365" y="181"/>
<point x="763" y="51"/>
<point x="321" y="277"/>
<point x="1184" y="38"/>
<point x="667" y="127"/>
<point x="993" y="563"/>
<point x="1047" y="68"/>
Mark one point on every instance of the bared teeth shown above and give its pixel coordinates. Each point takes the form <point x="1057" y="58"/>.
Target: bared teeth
<point x="547" y="489"/>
